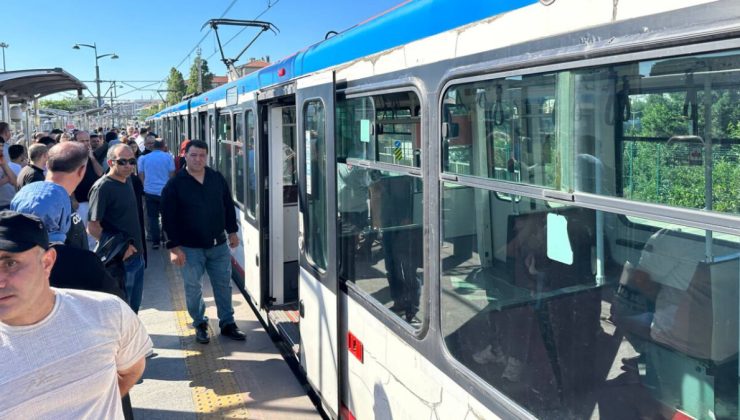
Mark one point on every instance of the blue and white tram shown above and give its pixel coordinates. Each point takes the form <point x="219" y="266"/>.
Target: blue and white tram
<point x="496" y="209"/>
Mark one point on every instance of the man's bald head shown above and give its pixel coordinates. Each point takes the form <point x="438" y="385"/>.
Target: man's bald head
<point x="67" y="157"/>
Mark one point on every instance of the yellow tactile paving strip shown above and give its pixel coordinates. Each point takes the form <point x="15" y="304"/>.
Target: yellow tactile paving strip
<point x="215" y="391"/>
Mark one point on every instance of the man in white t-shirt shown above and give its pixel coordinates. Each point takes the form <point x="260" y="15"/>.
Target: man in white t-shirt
<point x="65" y="353"/>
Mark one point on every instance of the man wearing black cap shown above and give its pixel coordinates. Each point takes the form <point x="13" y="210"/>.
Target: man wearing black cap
<point x="65" y="353"/>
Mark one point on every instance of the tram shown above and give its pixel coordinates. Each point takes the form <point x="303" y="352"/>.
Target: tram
<point x="495" y="209"/>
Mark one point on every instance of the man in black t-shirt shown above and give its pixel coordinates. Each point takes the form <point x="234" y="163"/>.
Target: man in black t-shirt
<point x="113" y="209"/>
<point x="92" y="173"/>
<point x="38" y="155"/>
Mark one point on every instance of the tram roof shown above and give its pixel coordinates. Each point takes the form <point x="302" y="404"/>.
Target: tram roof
<point x="409" y="21"/>
<point x="35" y="83"/>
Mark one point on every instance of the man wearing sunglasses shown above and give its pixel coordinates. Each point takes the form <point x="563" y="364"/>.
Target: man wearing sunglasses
<point x="113" y="210"/>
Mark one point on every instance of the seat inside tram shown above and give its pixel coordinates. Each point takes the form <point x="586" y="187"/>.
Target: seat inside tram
<point x="579" y="313"/>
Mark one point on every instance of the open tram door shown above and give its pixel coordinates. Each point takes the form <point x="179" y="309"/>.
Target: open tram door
<point x="277" y="185"/>
<point x="318" y="291"/>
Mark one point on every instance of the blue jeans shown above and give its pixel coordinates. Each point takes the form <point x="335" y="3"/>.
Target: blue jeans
<point x="134" y="267"/>
<point x="152" y="213"/>
<point x="217" y="262"/>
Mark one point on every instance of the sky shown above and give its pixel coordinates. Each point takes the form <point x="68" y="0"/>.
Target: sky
<point x="151" y="36"/>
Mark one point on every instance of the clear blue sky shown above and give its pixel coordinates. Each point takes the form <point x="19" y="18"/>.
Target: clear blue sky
<point x="151" y="36"/>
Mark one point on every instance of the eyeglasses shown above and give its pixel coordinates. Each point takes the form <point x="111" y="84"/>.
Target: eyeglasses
<point x="122" y="162"/>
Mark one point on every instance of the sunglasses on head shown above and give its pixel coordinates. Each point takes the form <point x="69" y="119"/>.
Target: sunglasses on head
<point x="122" y="162"/>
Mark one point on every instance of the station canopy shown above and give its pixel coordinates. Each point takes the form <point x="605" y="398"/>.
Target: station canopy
<point x="31" y="84"/>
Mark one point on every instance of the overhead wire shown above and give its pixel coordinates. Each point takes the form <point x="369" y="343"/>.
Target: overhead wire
<point x="270" y="5"/>
<point x="201" y="40"/>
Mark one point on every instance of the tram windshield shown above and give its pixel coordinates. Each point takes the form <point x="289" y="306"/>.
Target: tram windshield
<point x="578" y="313"/>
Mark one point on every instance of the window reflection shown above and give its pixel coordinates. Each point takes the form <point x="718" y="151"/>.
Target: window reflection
<point x="575" y="313"/>
<point x="381" y="237"/>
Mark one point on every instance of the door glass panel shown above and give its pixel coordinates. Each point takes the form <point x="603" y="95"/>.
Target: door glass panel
<point x="290" y="174"/>
<point x="239" y="158"/>
<point x="314" y="121"/>
<point x="251" y="165"/>
<point x="224" y="148"/>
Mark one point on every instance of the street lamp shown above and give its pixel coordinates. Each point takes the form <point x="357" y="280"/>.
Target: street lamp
<point x="113" y="56"/>
<point x="4" y="46"/>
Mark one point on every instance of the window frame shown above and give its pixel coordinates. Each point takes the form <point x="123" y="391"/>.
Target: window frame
<point x="385" y="315"/>
<point x="501" y="68"/>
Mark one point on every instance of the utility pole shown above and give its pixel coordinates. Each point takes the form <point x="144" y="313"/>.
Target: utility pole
<point x="4" y="46"/>
<point x="200" y="70"/>
<point x="112" y="107"/>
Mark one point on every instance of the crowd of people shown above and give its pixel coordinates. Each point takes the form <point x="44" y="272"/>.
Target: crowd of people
<point x="73" y="250"/>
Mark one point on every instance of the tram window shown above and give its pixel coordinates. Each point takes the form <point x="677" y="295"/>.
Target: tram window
<point x="503" y="129"/>
<point x="355" y="121"/>
<point x="314" y="123"/>
<point x="239" y="158"/>
<point x="251" y="165"/>
<point x="640" y="327"/>
<point x="663" y="131"/>
<point x="380" y="235"/>
<point x="380" y="212"/>
<point x="224" y="147"/>
<point x="384" y="128"/>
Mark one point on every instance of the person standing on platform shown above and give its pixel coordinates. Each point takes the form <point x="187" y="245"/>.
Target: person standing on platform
<point x="99" y="345"/>
<point x="93" y="172"/>
<point x="197" y="214"/>
<point x="34" y="171"/>
<point x="141" y="138"/>
<point x="18" y="158"/>
<point x="49" y="200"/>
<point x="155" y="169"/>
<point x="113" y="210"/>
<point x="7" y="181"/>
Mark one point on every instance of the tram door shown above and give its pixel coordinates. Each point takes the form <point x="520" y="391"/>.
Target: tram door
<point x="283" y="205"/>
<point x="319" y="349"/>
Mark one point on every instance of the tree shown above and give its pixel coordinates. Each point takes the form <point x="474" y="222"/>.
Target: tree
<point x="175" y="86"/>
<point x="147" y="112"/>
<point x="206" y="79"/>
<point x="66" y="104"/>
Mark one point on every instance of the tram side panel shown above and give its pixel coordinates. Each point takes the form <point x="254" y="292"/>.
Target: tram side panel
<point x="393" y="380"/>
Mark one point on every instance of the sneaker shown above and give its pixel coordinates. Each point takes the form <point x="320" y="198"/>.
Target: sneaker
<point x="233" y="332"/>
<point x="201" y="333"/>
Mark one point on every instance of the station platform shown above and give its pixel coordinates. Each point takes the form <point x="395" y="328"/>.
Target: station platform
<point x="223" y="379"/>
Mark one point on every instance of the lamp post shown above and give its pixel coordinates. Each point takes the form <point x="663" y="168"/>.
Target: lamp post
<point x="3" y="45"/>
<point x="113" y="56"/>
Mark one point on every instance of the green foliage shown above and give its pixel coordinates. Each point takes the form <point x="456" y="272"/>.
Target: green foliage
<point x="207" y="76"/>
<point x="147" y="112"/>
<point x="67" y="104"/>
<point x="657" y="171"/>
<point x="175" y="86"/>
